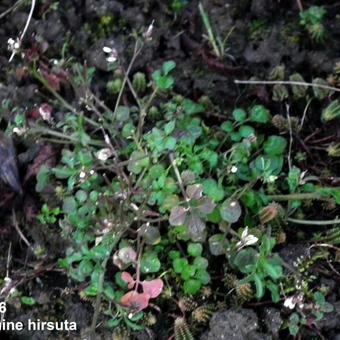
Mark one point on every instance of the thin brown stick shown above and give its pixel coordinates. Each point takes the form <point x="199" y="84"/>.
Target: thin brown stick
<point x="282" y="82"/>
<point x="16" y="226"/>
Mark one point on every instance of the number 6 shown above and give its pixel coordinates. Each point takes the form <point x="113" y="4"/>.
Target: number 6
<point x="3" y="307"/>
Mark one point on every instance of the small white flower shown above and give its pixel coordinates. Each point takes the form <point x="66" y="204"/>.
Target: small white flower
<point x="112" y="54"/>
<point x="302" y="179"/>
<point x="19" y="131"/>
<point x="272" y="179"/>
<point x="233" y="169"/>
<point x="82" y="174"/>
<point x="45" y="112"/>
<point x="104" y="154"/>
<point x="148" y="32"/>
<point x="246" y="239"/>
<point x="13" y="45"/>
<point x="107" y="139"/>
<point x="295" y="300"/>
<point x="290" y="302"/>
<point x="107" y="49"/>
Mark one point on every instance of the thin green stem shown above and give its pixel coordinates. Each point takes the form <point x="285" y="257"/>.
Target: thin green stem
<point x="292" y="197"/>
<point x="46" y="131"/>
<point x="209" y="29"/>
<point x="327" y="222"/>
<point x="136" y="52"/>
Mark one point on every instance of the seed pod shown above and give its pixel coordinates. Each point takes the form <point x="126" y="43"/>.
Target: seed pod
<point x="244" y="292"/>
<point x="114" y="86"/>
<point x="206" y="102"/>
<point x="230" y="281"/>
<point x="8" y="163"/>
<point x="187" y="304"/>
<point x="206" y="291"/>
<point x="299" y="91"/>
<point x="139" y="82"/>
<point x="154" y="113"/>
<point x="331" y="112"/>
<point x="150" y="319"/>
<point x="280" y="122"/>
<point x="270" y="212"/>
<point x="333" y="150"/>
<point x="202" y="314"/>
<point x="280" y="92"/>
<point x="181" y="330"/>
<point x="121" y="333"/>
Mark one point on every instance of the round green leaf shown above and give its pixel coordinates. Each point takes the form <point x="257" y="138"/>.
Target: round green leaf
<point x="213" y="190"/>
<point x="179" y="264"/>
<point x="275" y="145"/>
<point x="230" y="211"/>
<point x="188" y="272"/>
<point x="259" y="114"/>
<point x="150" y="263"/>
<point x="192" y="286"/>
<point x="239" y="115"/>
<point x="195" y="249"/>
<point x="246" y="131"/>
<point x="122" y="113"/>
<point x="203" y="276"/>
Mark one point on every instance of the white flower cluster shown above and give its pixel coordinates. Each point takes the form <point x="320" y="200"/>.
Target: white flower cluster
<point x="112" y="54"/>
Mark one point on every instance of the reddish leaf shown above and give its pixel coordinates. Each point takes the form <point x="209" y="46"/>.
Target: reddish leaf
<point x="153" y="288"/>
<point x="46" y="156"/>
<point x="128" y="279"/>
<point x="135" y="301"/>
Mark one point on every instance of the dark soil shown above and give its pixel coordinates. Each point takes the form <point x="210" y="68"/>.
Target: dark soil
<point x="74" y="26"/>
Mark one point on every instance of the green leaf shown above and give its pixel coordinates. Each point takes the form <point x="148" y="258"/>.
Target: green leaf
<point x="196" y="227"/>
<point x="194" y="249"/>
<point x="28" y="301"/>
<point x="203" y="276"/>
<point x="179" y="264"/>
<point x="169" y="127"/>
<point x="188" y="272"/>
<point x="150" y="234"/>
<point x="230" y="210"/>
<point x="201" y="263"/>
<point x="227" y="126"/>
<point x="259" y="114"/>
<point x="192" y="286"/>
<point x="42" y="178"/>
<point x="245" y="260"/>
<point x="272" y="269"/>
<point x="109" y="292"/>
<point x="85" y="267"/>
<point x="259" y="286"/>
<point x="137" y="161"/>
<point x="69" y="205"/>
<point x="274" y="290"/>
<point x="293" y="179"/>
<point x="239" y="115"/>
<point x="168" y="66"/>
<point x="217" y="244"/>
<point x="275" y="145"/>
<point x="213" y="190"/>
<point x="63" y="172"/>
<point x="177" y="216"/>
<point x="91" y="290"/>
<point x="191" y="107"/>
<point x="122" y="113"/>
<point x="174" y="254"/>
<point x="246" y="131"/>
<point x="150" y="263"/>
